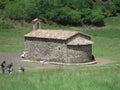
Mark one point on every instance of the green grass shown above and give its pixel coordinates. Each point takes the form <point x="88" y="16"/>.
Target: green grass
<point x="106" y="43"/>
<point x="12" y="40"/>
<point x="106" y="39"/>
<point x="107" y="77"/>
<point x="84" y="78"/>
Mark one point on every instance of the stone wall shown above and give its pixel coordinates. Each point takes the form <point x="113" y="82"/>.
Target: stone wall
<point x="73" y="38"/>
<point x="79" y="35"/>
<point x="79" y="53"/>
<point x="52" y="50"/>
<point x="45" y="49"/>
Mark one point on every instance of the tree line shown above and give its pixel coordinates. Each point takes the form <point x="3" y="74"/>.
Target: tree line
<point x="65" y="12"/>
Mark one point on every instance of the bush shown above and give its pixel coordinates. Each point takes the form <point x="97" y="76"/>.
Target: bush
<point x="72" y="12"/>
<point x="97" y="17"/>
<point x="117" y="5"/>
<point x="3" y="3"/>
<point x="5" y="25"/>
<point x="64" y="15"/>
<point x="16" y="11"/>
<point x="110" y="10"/>
<point x="85" y="15"/>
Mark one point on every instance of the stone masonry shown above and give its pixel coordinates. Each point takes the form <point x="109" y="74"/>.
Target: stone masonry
<point x="57" y="45"/>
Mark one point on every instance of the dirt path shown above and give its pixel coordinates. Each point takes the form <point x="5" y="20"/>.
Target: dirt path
<point x="17" y="61"/>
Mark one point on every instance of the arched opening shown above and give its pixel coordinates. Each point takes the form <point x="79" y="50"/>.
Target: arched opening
<point x="38" y="25"/>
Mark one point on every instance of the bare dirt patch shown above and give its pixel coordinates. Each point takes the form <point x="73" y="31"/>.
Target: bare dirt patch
<point x="101" y="61"/>
<point x="17" y="61"/>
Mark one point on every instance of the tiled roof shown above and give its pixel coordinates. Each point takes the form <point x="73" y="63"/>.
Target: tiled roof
<point x="35" y="20"/>
<point x="52" y="34"/>
<point x="80" y="41"/>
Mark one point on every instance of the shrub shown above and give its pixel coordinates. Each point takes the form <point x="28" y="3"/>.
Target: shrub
<point x="5" y="25"/>
<point x="16" y="11"/>
<point x="97" y="17"/>
<point x="64" y="15"/>
<point x="85" y="15"/>
<point x="72" y="12"/>
<point x="117" y="5"/>
<point x="110" y="10"/>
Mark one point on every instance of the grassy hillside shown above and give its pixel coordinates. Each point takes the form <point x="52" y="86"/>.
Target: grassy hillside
<point x="12" y="40"/>
<point x="106" y="77"/>
<point x="106" y="39"/>
<point x="87" y="78"/>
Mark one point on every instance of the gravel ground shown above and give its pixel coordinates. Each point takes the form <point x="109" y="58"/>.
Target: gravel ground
<point x="18" y="62"/>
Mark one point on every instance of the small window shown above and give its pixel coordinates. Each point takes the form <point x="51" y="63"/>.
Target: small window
<point x="59" y="48"/>
<point x="37" y="26"/>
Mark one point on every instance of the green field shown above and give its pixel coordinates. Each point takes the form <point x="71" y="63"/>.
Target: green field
<point x="12" y="40"/>
<point x="106" y="39"/>
<point x="107" y="77"/>
<point x="84" y="78"/>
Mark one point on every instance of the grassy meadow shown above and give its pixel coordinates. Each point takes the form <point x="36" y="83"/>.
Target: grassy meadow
<point x="107" y="77"/>
<point x="85" y="78"/>
<point x="106" y="39"/>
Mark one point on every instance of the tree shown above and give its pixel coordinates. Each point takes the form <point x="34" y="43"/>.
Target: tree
<point x="16" y="11"/>
<point x="117" y="5"/>
<point x="97" y="17"/>
<point x="3" y="3"/>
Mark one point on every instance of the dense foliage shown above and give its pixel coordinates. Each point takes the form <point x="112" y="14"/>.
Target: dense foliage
<point x="72" y="12"/>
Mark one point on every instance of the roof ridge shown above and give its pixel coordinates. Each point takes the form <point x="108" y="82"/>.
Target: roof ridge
<point x="53" y="34"/>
